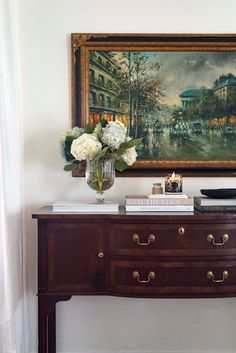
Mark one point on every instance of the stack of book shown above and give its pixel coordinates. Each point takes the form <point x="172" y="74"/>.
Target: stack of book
<point x="85" y="207"/>
<point x="159" y="203"/>
<point x="207" y="204"/>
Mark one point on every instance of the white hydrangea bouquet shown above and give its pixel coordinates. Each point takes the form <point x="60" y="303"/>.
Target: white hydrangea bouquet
<point x="108" y="141"/>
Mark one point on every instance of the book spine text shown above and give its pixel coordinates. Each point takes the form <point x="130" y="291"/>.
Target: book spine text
<point x="216" y="208"/>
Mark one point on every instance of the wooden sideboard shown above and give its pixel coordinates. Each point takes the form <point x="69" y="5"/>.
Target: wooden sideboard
<point x="135" y="255"/>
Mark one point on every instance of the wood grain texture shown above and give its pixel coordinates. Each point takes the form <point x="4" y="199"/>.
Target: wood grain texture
<point x="96" y="254"/>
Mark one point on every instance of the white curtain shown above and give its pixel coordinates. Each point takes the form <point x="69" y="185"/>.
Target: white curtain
<point x="13" y="322"/>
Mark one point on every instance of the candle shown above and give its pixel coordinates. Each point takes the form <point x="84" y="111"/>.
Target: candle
<point x="173" y="183"/>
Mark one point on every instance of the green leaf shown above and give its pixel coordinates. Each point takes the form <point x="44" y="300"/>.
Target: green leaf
<point x="136" y="142"/>
<point x="131" y="143"/>
<point x="69" y="157"/>
<point x="69" y="167"/>
<point x="100" y="154"/>
<point x="98" y="131"/>
<point x="103" y="122"/>
<point x="120" y="165"/>
<point x="88" y="129"/>
<point x="68" y="141"/>
<point x="118" y="152"/>
<point x="124" y="146"/>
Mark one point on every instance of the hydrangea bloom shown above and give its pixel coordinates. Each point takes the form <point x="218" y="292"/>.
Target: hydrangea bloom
<point x="130" y="155"/>
<point x="85" y="147"/>
<point x="114" y="134"/>
<point x="75" y="132"/>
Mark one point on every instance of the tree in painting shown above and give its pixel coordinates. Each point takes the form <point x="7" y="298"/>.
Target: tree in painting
<point x="139" y="87"/>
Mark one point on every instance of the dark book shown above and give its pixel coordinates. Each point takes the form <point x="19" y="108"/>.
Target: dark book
<point x="208" y="201"/>
<point x="215" y="208"/>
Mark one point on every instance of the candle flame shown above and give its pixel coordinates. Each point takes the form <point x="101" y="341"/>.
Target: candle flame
<point x="173" y="178"/>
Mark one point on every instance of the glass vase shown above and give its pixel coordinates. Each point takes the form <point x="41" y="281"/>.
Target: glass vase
<point x="100" y="176"/>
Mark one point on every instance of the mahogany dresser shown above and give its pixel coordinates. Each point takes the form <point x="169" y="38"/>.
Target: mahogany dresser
<point x="135" y="255"/>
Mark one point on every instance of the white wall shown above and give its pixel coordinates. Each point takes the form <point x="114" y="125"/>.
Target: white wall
<point x="107" y="324"/>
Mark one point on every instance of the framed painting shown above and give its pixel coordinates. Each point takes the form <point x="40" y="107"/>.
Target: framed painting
<point x="175" y="92"/>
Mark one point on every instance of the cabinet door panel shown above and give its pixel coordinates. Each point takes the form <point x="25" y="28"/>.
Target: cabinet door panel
<point x="172" y="239"/>
<point x="73" y="262"/>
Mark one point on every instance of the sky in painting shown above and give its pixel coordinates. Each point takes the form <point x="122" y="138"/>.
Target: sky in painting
<point x="180" y="71"/>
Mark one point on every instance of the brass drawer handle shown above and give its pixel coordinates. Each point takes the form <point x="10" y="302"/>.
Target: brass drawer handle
<point x="211" y="276"/>
<point x="181" y="231"/>
<point x="151" y="239"/>
<point x="211" y="239"/>
<point x="136" y="276"/>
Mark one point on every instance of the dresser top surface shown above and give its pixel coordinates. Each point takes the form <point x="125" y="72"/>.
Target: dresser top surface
<point x="46" y="213"/>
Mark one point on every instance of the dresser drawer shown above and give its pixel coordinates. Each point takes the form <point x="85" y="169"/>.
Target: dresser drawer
<point x="173" y="239"/>
<point x="168" y="278"/>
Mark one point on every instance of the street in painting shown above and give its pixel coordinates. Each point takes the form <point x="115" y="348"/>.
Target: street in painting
<point x="182" y="104"/>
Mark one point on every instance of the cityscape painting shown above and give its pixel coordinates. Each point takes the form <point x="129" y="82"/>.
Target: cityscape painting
<point x="181" y="104"/>
<point x="176" y="92"/>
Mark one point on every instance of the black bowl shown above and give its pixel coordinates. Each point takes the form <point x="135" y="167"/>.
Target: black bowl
<point x="219" y="193"/>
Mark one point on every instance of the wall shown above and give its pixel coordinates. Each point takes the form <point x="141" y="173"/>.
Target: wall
<point x="107" y="324"/>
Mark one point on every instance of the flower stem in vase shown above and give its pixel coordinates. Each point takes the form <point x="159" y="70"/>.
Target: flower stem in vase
<point x="100" y="176"/>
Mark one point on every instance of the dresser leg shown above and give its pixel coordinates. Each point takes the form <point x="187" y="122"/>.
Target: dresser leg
<point x="47" y="322"/>
<point x="42" y="325"/>
<point x="52" y="332"/>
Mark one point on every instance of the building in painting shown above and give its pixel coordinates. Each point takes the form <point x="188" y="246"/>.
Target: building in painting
<point x="103" y="98"/>
<point x="189" y="97"/>
<point x="226" y="89"/>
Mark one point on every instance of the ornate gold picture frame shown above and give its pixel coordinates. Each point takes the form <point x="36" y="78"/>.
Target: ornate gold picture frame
<point x="176" y="92"/>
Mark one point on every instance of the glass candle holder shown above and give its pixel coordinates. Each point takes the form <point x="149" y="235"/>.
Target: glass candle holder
<point x="173" y="183"/>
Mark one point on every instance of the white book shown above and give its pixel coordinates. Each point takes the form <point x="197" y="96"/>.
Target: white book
<point x="158" y="201"/>
<point x="208" y="201"/>
<point x="84" y="207"/>
<point x="167" y="196"/>
<point x="162" y="213"/>
<point x="179" y="208"/>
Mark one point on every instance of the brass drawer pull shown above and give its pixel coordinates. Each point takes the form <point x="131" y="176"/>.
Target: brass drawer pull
<point x="211" y="276"/>
<point x="181" y="231"/>
<point x="136" y="276"/>
<point x="151" y="239"/>
<point x="211" y="239"/>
